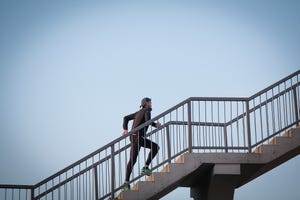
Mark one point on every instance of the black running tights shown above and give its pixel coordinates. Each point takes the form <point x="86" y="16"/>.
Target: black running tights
<point x="136" y="143"/>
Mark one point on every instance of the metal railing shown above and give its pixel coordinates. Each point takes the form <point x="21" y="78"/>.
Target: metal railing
<point x="16" y="192"/>
<point x="196" y="125"/>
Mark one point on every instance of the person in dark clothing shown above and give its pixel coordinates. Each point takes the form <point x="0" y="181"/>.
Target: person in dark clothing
<point x="139" y="140"/>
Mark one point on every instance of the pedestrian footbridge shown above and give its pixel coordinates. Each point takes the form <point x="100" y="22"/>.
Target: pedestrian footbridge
<point x="211" y="145"/>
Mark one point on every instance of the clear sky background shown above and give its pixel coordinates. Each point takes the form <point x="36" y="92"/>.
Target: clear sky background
<point x="70" y="71"/>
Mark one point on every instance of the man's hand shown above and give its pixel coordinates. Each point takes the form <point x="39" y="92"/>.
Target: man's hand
<point x="125" y="132"/>
<point x="158" y="125"/>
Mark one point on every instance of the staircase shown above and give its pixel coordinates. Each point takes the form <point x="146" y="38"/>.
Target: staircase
<point x="211" y="145"/>
<point x="202" y="169"/>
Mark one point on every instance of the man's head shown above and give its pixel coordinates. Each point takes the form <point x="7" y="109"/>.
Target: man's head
<point x="146" y="103"/>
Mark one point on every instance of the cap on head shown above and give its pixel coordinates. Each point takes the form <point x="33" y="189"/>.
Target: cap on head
<point x="144" y="101"/>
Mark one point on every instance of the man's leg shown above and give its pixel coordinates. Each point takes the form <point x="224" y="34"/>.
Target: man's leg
<point x="135" y="147"/>
<point x="150" y="145"/>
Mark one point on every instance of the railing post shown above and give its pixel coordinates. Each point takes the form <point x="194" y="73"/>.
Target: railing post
<point x="296" y="106"/>
<point x="96" y="183"/>
<point x="225" y="139"/>
<point x="248" y="126"/>
<point x="168" y="143"/>
<point x="32" y="193"/>
<point x="112" y="171"/>
<point x="189" y="127"/>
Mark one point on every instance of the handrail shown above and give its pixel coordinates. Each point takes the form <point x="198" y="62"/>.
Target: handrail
<point x="27" y="187"/>
<point x="275" y="84"/>
<point x="263" y="103"/>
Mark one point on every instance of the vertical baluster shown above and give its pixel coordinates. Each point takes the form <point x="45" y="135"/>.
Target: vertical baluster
<point x="126" y="160"/>
<point x="199" y="127"/>
<point x="102" y="179"/>
<point x="96" y="182"/>
<point x="225" y="130"/>
<point x="254" y="115"/>
<point x="285" y="107"/>
<point x="295" y="106"/>
<point x="211" y="127"/>
<point x="182" y="140"/>
<point x="218" y="128"/>
<point x="237" y="124"/>
<point x="279" y="110"/>
<point x="168" y="143"/>
<point x="261" y="118"/>
<point x="86" y="180"/>
<point x="248" y="127"/>
<point x="291" y="107"/>
<point x="297" y="99"/>
<point x="66" y="188"/>
<point x="120" y="164"/>
<point x="189" y="128"/>
<point x="205" y="133"/>
<point x="72" y="186"/>
<point x="272" y="112"/>
<point x="244" y="128"/>
<point x="177" y="130"/>
<point x="112" y="171"/>
<point x="231" y="129"/>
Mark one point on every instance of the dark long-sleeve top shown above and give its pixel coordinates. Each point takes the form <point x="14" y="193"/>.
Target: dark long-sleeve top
<point x="139" y="118"/>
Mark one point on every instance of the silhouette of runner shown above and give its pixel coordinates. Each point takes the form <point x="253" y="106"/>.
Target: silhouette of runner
<point x="138" y="139"/>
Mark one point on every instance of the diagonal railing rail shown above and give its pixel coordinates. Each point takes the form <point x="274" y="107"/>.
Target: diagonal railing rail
<point x="199" y="125"/>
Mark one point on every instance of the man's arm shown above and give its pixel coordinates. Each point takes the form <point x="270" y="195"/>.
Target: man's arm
<point x="156" y="125"/>
<point x="127" y="119"/>
<point x="148" y="117"/>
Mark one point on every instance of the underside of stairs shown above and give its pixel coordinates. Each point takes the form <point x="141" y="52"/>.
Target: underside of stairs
<point x="216" y="175"/>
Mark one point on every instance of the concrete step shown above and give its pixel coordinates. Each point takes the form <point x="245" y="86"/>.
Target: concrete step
<point x="294" y="132"/>
<point x="288" y="134"/>
<point x="166" y="168"/>
<point x="142" y="190"/>
<point x="258" y="150"/>
<point x="266" y="148"/>
<point x="146" y="189"/>
<point x="142" y="186"/>
<point x="131" y="194"/>
<point x="180" y="159"/>
<point x="281" y="140"/>
<point x="169" y="168"/>
<point x="157" y="176"/>
<point x="287" y="138"/>
<point x="175" y="167"/>
<point x="269" y="148"/>
<point x="157" y="182"/>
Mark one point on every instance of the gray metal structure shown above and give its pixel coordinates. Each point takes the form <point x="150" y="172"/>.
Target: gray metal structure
<point x="212" y="145"/>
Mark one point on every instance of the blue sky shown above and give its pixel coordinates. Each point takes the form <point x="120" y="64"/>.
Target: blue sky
<point x="70" y="71"/>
